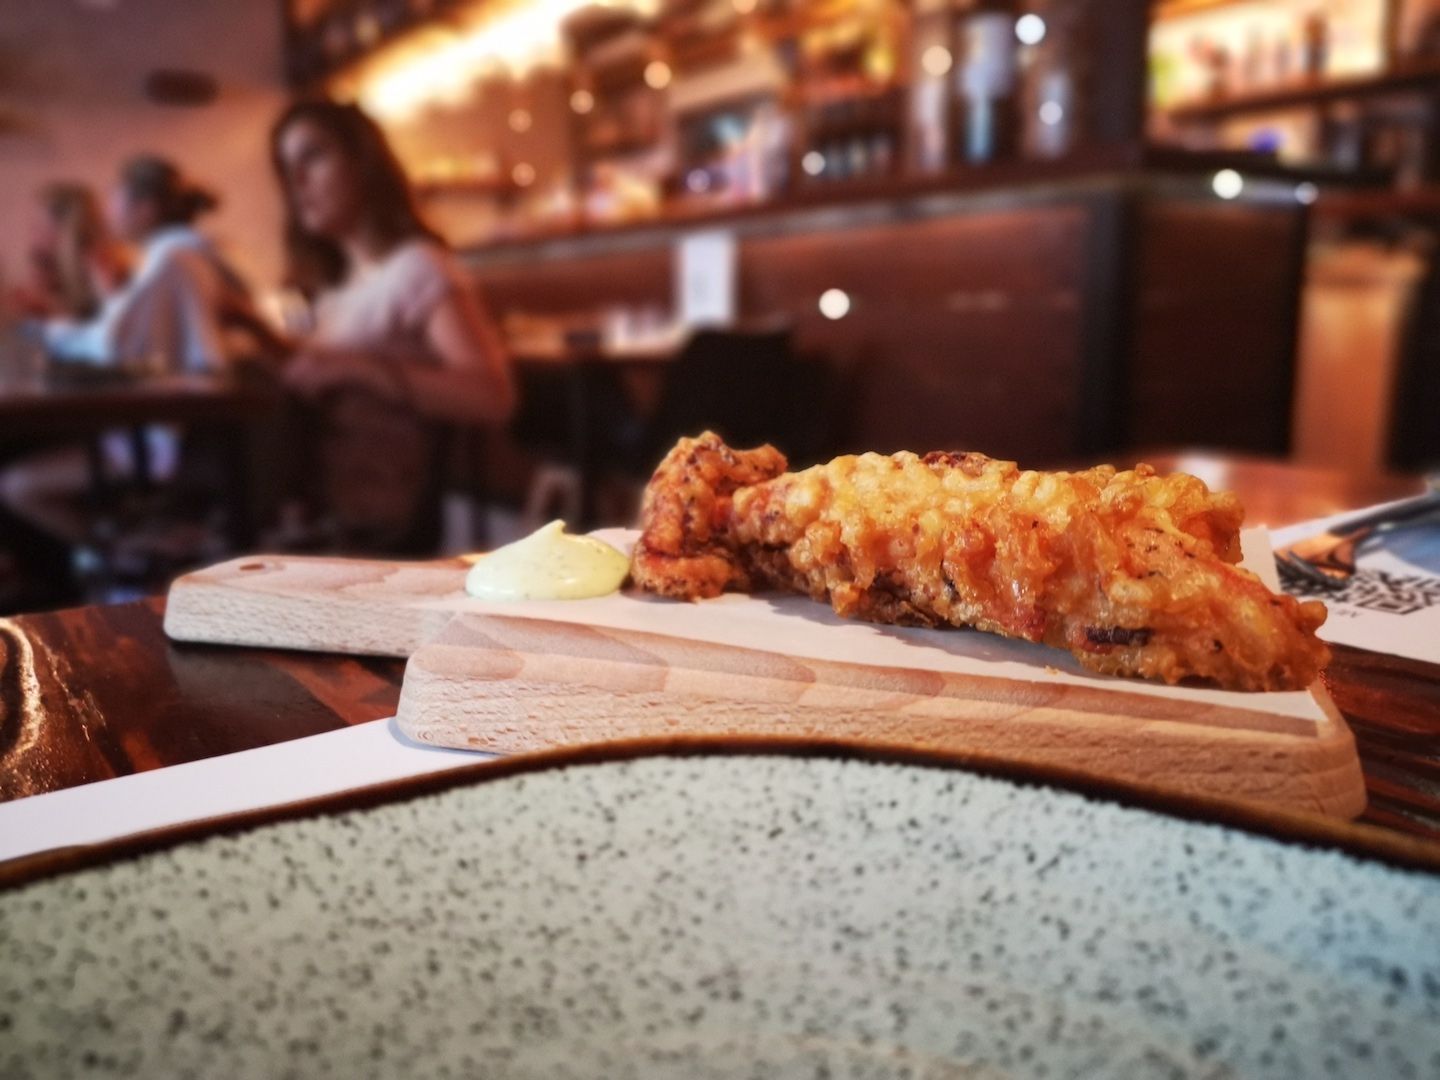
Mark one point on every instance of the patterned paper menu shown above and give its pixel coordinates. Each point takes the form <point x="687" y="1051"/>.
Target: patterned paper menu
<point x="1392" y="605"/>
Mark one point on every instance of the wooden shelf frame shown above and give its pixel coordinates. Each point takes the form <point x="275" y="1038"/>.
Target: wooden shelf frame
<point x="1312" y="94"/>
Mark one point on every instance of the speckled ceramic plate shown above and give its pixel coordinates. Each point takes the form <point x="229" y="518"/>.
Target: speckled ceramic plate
<point x="715" y="916"/>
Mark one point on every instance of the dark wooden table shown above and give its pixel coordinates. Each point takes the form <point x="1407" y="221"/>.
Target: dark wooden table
<point x="111" y="695"/>
<point x="68" y="408"/>
<point x="42" y="414"/>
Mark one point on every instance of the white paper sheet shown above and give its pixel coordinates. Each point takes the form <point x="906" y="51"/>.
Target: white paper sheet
<point x="1393" y="604"/>
<point x="705" y="278"/>
<point x="267" y="776"/>
<point x="793" y="625"/>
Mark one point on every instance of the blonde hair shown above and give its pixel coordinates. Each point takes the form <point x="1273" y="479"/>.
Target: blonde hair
<point x="80" y="232"/>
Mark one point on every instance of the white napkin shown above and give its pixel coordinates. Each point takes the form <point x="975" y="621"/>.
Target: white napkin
<point x="352" y="757"/>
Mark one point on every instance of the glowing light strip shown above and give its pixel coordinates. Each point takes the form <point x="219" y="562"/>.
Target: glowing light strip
<point x="517" y="37"/>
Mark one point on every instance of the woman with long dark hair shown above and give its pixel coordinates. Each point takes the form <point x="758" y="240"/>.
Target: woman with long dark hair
<point x="400" y="345"/>
<point x="393" y="312"/>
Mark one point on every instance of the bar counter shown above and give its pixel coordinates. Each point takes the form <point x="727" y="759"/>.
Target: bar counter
<point x="1033" y="312"/>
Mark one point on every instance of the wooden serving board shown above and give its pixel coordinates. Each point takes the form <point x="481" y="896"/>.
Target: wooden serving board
<point x="535" y="675"/>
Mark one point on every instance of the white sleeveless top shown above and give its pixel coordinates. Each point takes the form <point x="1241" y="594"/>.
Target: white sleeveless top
<point x="167" y="315"/>
<point x="384" y="308"/>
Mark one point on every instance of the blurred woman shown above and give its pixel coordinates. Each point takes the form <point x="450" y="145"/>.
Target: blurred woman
<point x="399" y="340"/>
<point x="171" y="314"/>
<point x="74" y="260"/>
<point x="393" y="312"/>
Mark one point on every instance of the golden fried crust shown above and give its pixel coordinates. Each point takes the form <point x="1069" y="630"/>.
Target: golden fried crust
<point x="685" y="549"/>
<point x="1130" y="571"/>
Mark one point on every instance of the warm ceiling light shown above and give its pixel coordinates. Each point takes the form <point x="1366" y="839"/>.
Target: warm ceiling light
<point x="444" y="68"/>
<point x="521" y="120"/>
<point x="1228" y="184"/>
<point x="834" y="303"/>
<point x="523" y="174"/>
<point x="582" y="101"/>
<point x="936" y="60"/>
<point x="744" y="7"/>
<point x="1030" y="29"/>
<point x="657" y="74"/>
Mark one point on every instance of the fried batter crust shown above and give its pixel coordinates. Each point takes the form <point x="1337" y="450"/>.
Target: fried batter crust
<point x="1132" y="572"/>
<point x="686" y="550"/>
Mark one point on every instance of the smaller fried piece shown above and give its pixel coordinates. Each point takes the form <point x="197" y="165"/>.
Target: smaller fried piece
<point x="686" y="550"/>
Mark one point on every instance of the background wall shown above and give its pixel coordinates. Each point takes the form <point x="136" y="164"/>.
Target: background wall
<point x="72" y="106"/>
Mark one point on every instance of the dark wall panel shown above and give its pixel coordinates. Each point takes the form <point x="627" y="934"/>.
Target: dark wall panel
<point x="964" y="330"/>
<point x="1057" y="331"/>
<point x="1214" y="338"/>
<point x="568" y="284"/>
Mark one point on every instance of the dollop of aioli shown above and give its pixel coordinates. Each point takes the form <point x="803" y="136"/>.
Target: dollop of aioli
<point x="549" y="564"/>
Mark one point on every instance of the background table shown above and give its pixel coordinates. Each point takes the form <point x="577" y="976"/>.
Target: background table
<point x="114" y="696"/>
<point x="46" y="410"/>
<point x="41" y="414"/>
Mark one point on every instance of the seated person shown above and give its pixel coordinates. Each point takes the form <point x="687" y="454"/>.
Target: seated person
<point x="74" y="261"/>
<point x="399" y="339"/>
<point x="170" y="315"/>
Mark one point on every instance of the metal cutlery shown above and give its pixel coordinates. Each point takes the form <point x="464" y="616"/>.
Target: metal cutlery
<point x="1328" y="560"/>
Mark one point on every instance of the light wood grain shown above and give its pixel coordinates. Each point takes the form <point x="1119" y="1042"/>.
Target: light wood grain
<point x="319" y="604"/>
<point x="511" y="685"/>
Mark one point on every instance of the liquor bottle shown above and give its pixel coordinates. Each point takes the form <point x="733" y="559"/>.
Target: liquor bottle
<point x="1051" y="91"/>
<point x="932" y="61"/>
<point x="1252" y="61"/>
<point x="1315" y="45"/>
<point x="1282" y="60"/>
<point x="987" y="83"/>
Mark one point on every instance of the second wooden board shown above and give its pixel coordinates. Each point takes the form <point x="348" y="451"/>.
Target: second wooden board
<point x="511" y="685"/>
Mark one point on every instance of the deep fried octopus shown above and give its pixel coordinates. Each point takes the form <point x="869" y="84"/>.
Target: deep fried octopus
<point x="1132" y="572"/>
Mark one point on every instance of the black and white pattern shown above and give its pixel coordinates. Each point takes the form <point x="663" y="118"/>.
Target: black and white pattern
<point x="709" y="918"/>
<point x="1375" y="590"/>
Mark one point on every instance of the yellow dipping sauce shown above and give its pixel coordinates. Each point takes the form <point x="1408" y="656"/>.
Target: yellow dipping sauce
<point x="549" y="564"/>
